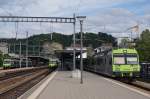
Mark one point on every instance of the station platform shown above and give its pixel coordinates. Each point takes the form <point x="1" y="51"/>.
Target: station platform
<point x="62" y="86"/>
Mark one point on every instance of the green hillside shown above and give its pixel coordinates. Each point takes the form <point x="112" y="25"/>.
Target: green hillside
<point x="89" y="39"/>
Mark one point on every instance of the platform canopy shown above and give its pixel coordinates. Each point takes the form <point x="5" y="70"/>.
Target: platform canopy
<point x="66" y="58"/>
<point x="66" y="53"/>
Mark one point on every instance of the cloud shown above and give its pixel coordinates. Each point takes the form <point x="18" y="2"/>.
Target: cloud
<point x="114" y="17"/>
<point x="102" y="15"/>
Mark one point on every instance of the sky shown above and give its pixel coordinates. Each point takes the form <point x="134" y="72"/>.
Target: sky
<point x="111" y="16"/>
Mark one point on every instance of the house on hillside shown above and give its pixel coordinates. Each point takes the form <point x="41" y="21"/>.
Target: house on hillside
<point x="4" y="47"/>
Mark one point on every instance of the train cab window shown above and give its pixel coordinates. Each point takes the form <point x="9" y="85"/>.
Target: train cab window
<point x="119" y="60"/>
<point x="132" y="60"/>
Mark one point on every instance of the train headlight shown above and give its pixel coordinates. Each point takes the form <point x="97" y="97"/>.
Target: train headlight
<point x="135" y="69"/>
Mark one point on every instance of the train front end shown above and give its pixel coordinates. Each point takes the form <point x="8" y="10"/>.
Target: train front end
<point x="7" y="63"/>
<point x="53" y="64"/>
<point x="125" y="63"/>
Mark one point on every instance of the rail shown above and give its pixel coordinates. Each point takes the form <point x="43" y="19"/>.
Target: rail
<point x="14" y="86"/>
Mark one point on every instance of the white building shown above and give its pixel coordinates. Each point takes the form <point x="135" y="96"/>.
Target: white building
<point x="4" y="47"/>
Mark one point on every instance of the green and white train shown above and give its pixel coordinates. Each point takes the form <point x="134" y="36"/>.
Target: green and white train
<point x="53" y="64"/>
<point x="120" y="63"/>
<point x="15" y="63"/>
<point x="7" y="63"/>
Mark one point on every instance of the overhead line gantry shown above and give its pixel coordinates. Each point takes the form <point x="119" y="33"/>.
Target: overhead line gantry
<point x="37" y="19"/>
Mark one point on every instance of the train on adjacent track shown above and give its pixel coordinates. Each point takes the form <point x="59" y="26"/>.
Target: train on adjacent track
<point x="53" y="64"/>
<point x="16" y="63"/>
<point x="117" y="63"/>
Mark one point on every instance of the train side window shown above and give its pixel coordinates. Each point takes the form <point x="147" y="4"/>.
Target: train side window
<point x="110" y="61"/>
<point x="105" y="60"/>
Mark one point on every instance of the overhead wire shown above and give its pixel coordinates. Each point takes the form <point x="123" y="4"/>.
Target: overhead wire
<point x="78" y="6"/>
<point x="91" y="27"/>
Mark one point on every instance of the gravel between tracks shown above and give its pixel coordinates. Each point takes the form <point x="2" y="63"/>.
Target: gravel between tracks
<point x="13" y="88"/>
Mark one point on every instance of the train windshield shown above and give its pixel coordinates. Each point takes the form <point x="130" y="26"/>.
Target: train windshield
<point x="119" y="60"/>
<point x="53" y="62"/>
<point x="125" y="59"/>
<point x="132" y="60"/>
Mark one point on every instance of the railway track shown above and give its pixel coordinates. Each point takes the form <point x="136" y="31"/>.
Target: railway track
<point x="138" y="85"/>
<point x="14" y="73"/>
<point x="13" y="87"/>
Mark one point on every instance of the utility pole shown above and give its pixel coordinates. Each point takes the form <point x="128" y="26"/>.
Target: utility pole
<point x="34" y="51"/>
<point x="74" y="43"/>
<point x="131" y="37"/>
<point x="14" y="48"/>
<point x="81" y="43"/>
<point x="20" y="54"/>
<point x="51" y="36"/>
<point x="39" y="47"/>
<point x="81" y="18"/>
<point x="26" y="49"/>
<point x="8" y="48"/>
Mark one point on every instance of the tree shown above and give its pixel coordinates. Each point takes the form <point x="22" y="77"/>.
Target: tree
<point x="124" y="43"/>
<point x="143" y="46"/>
<point x="51" y="47"/>
<point x="94" y="39"/>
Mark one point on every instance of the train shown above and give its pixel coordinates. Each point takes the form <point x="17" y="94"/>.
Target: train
<point x="117" y="63"/>
<point x="15" y="63"/>
<point x="53" y="64"/>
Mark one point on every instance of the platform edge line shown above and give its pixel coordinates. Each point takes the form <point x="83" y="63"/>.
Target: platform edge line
<point x="125" y="86"/>
<point x="37" y="92"/>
